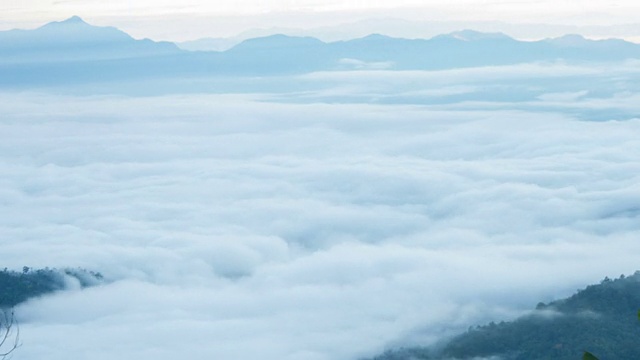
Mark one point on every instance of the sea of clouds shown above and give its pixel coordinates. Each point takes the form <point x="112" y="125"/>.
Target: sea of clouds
<point x="341" y="215"/>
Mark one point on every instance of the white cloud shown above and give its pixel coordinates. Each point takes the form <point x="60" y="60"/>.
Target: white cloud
<point x="234" y="227"/>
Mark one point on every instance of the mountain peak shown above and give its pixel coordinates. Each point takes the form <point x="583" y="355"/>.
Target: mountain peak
<point x="74" y="20"/>
<point x="74" y="39"/>
<point x="276" y="41"/>
<point x="376" y="36"/>
<point x="472" y="35"/>
<point x="570" y="40"/>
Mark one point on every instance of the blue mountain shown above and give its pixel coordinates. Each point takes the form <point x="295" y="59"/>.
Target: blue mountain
<point x="75" y="40"/>
<point x="278" y="53"/>
<point x="73" y="51"/>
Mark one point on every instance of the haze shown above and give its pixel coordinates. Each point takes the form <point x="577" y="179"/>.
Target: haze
<point x="321" y="211"/>
<point x="243" y="226"/>
<point x="188" y="20"/>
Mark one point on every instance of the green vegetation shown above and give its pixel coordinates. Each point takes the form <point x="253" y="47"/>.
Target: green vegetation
<point x="602" y="319"/>
<point x="588" y="356"/>
<point x="17" y="287"/>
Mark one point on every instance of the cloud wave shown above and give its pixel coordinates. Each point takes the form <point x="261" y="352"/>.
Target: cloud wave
<point x="234" y="227"/>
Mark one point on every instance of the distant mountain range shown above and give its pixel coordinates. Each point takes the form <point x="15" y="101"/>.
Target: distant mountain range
<point x="73" y="51"/>
<point x="75" y="40"/>
<point x="413" y="29"/>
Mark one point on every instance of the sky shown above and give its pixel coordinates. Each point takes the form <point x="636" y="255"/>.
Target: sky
<point x="346" y="214"/>
<point x="191" y="19"/>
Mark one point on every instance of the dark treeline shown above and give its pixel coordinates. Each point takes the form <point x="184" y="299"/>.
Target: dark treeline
<point x="601" y="319"/>
<point x="19" y="286"/>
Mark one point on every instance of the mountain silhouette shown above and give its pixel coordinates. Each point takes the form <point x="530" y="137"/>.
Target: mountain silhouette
<point x="73" y="51"/>
<point x="75" y="40"/>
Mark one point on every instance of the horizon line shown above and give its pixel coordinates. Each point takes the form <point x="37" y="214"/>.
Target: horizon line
<point x="287" y="31"/>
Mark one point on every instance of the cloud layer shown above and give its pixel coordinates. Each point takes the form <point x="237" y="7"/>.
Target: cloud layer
<point x="238" y="226"/>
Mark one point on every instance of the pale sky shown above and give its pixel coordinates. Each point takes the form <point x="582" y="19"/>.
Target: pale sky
<point x="189" y="19"/>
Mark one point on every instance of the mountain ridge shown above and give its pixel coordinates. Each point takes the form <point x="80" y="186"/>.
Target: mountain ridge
<point x="74" y="39"/>
<point x="466" y="34"/>
<point x="45" y="55"/>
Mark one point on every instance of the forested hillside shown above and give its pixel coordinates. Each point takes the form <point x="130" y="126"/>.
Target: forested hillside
<point x="17" y="287"/>
<point x="601" y="319"/>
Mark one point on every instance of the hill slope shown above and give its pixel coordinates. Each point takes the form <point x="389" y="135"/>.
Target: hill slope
<point x="17" y="287"/>
<point x="601" y="319"/>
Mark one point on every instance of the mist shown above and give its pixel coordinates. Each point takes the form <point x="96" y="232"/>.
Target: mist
<point x="323" y="216"/>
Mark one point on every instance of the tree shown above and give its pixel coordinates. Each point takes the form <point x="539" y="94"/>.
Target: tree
<point x="9" y="334"/>
<point x="589" y="356"/>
